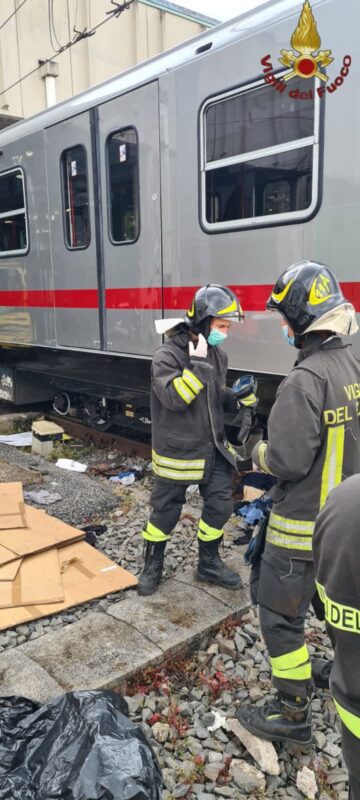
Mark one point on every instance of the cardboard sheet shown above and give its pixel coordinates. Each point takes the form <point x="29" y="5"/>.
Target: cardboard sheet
<point x="9" y="571"/>
<point x="251" y="493"/>
<point x="42" y="533"/>
<point x="37" y="580"/>
<point x="12" y="510"/>
<point x="86" y="574"/>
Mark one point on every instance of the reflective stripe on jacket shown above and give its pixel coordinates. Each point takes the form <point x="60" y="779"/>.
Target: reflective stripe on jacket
<point x="314" y="440"/>
<point x="187" y="411"/>
<point x="337" y="570"/>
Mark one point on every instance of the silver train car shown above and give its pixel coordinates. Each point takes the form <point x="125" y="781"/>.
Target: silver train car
<point x="223" y="160"/>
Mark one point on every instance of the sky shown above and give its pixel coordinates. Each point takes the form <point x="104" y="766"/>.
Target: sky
<point x="220" y="9"/>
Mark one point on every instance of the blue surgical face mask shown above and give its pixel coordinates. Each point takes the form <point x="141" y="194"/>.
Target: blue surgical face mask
<point x="289" y="339"/>
<point x="216" y="337"/>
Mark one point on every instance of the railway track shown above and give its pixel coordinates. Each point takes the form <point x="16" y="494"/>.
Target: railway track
<point x="113" y="439"/>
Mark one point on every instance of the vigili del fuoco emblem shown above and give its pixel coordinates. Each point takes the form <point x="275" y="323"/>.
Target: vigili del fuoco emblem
<point x="305" y="60"/>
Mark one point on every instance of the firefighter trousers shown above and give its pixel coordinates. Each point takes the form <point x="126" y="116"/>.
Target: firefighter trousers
<point x="351" y="750"/>
<point x="284" y="593"/>
<point x="168" y="498"/>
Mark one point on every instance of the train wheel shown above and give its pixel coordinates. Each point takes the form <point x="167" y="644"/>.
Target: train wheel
<point x="97" y="414"/>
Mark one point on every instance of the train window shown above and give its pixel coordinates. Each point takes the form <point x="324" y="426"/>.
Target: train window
<point x="259" y="157"/>
<point x="123" y="186"/>
<point x="13" y="224"/>
<point x="75" y="197"/>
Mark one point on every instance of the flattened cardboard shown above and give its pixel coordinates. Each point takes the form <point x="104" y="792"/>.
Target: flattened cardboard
<point x="9" y="571"/>
<point x="86" y="574"/>
<point x="42" y="533"/>
<point x="37" y="580"/>
<point x="12" y="510"/>
<point x="251" y="493"/>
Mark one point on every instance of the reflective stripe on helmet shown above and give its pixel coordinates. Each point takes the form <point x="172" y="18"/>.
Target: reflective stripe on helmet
<point x="280" y="296"/>
<point x="232" y="308"/>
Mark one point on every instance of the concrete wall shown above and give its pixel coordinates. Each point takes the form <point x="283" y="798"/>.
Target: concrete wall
<point x="140" y="32"/>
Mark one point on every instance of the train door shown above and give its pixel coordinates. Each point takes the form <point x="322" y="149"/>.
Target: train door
<point x="77" y="302"/>
<point x="130" y="169"/>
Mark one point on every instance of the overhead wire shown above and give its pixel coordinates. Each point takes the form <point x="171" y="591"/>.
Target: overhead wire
<point x="12" y="14"/>
<point x="52" y="29"/>
<point x="79" y="36"/>
<point x="76" y="13"/>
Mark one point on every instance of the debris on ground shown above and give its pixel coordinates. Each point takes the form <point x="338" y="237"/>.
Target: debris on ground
<point x="29" y="475"/>
<point x="125" y="478"/>
<point x="263" y="752"/>
<point x="83" y="498"/>
<point x="206" y="753"/>
<point x="43" y="497"/>
<point x="78" y="746"/>
<point x="70" y="464"/>
<point x="126" y="475"/>
<point x="17" y="439"/>
<point x="229" y="668"/>
<point x="306" y="782"/>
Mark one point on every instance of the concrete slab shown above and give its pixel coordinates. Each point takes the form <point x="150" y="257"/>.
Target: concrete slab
<point x="10" y="422"/>
<point x="21" y="676"/>
<point x="12" y="473"/>
<point x="175" y="617"/>
<point x="97" y="652"/>
<point x="234" y="600"/>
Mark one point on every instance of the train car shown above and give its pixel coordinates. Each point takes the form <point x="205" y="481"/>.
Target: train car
<point x="223" y="160"/>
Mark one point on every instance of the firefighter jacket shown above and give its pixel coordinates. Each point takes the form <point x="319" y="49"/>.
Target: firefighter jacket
<point x="314" y="442"/>
<point x="188" y="398"/>
<point x="337" y="532"/>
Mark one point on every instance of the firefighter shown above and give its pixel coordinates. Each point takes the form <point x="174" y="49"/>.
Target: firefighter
<point x="339" y="588"/>
<point x="188" y="400"/>
<point x="313" y="443"/>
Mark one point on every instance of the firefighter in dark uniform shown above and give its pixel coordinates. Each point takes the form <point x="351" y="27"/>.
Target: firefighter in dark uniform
<point x="188" y="400"/>
<point x="337" y="530"/>
<point x="313" y="444"/>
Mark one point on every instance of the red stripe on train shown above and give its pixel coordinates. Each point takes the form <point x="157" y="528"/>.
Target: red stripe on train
<point x="252" y="297"/>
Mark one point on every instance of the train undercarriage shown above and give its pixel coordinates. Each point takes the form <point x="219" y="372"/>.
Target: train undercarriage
<point x="100" y="390"/>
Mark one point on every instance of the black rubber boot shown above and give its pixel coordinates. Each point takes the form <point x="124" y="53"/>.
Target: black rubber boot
<point x="283" y="719"/>
<point x="320" y="671"/>
<point x="212" y="569"/>
<point x="153" y="567"/>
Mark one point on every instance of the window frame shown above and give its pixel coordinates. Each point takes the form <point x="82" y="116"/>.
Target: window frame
<point x="16" y="213"/>
<point x="123" y="128"/>
<point x="270" y="220"/>
<point x="63" y="203"/>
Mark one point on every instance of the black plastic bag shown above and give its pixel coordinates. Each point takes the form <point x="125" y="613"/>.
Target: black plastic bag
<point x="253" y="555"/>
<point x="256" y="546"/>
<point x="81" y="746"/>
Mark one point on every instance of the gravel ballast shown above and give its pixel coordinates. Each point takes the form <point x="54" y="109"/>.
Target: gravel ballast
<point x="201" y="756"/>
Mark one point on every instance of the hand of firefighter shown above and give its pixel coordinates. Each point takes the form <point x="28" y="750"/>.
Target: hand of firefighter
<point x="199" y="349"/>
<point x="245" y="391"/>
<point x="248" y="420"/>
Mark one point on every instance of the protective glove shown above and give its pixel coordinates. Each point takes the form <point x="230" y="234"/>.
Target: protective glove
<point x="245" y="390"/>
<point x="248" y="419"/>
<point x="201" y="348"/>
